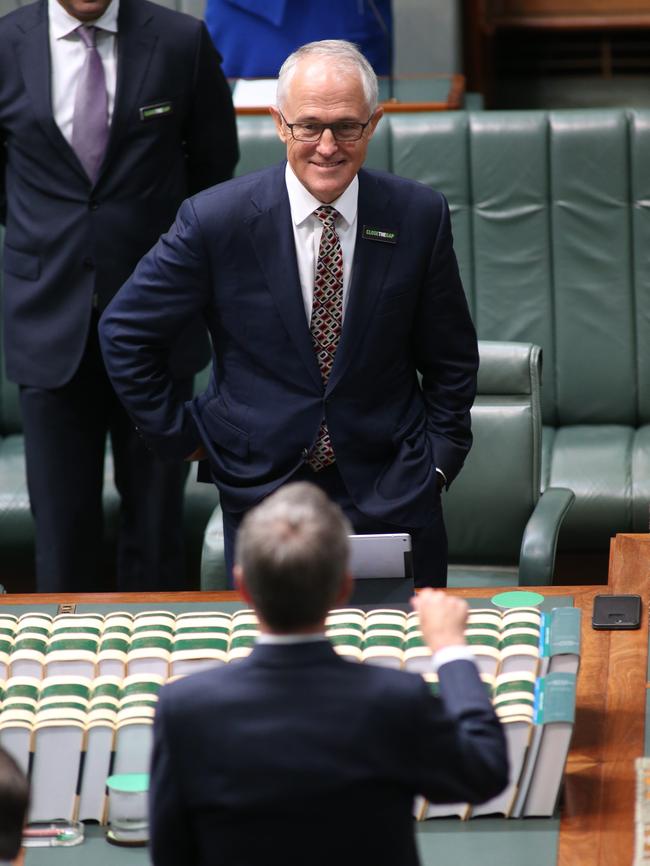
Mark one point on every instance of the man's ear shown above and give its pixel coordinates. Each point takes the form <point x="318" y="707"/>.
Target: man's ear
<point x="240" y="584"/>
<point x="374" y="120"/>
<point x="345" y="590"/>
<point x="279" y="125"/>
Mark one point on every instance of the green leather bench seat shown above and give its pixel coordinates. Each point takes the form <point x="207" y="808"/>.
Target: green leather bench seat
<point x="16" y="532"/>
<point x="551" y="216"/>
<point x="500" y="530"/>
<point x="608" y="468"/>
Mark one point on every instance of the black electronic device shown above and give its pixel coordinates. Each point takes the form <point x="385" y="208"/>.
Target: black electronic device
<point x="616" y="612"/>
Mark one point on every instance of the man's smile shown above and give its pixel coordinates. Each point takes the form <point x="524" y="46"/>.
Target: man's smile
<point x="328" y="164"/>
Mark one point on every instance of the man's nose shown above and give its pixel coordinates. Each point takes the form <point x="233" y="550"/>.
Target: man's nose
<point x="327" y="144"/>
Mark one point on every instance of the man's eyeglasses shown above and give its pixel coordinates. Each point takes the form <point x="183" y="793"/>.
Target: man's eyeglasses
<point x="342" y="130"/>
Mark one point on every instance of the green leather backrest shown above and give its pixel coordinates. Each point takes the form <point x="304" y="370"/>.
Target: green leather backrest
<point x="259" y="144"/>
<point x="487" y="507"/>
<point x="554" y="254"/>
<point x="433" y="148"/>
<point x="640" y="254"/>
<point x="552" y="223"/>
<point x="551" y="219"/>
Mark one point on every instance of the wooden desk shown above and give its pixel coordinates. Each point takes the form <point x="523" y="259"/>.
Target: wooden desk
<point x="597" y="824"/>
<point x="407" y="93"/>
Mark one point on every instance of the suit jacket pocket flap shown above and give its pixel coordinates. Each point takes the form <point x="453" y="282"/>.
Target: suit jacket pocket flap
<point x="20" y="264"/>
<point x="223" y="433"/>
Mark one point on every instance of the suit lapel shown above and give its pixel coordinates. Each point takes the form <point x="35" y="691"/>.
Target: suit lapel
<point x="272" y="240"/>
<point x="135" y="48"/>
<point x="34" y="60"/>
<point x="371" y="260"/>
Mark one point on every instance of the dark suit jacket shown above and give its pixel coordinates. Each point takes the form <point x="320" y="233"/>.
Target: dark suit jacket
<point x="297" y="756"/>
<point x="67" y="240"/>
<point x="231" y="254"/>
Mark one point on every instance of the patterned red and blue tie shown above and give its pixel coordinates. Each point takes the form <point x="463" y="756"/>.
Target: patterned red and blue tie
<point x="326" y="319"/>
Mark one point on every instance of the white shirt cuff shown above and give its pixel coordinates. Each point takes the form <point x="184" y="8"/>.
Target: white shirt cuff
<point x="461" y="652"/>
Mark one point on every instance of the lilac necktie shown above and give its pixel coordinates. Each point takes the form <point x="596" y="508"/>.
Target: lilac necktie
<point x="90" y="120"/>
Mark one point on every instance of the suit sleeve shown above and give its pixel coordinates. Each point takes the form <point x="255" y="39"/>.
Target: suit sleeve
<point x="6" y="56"/>
<point x="447" y="353"/>
<point x="460" y="747"/>
<point x="170" y="828"/>
<point x="168" y="289"/>
<point x="3" y="167"/>
<point x="211" y="131"/>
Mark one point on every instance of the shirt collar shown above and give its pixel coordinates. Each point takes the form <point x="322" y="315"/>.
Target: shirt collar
<point x="303" y="203"/>
<point x="284" y="639"/>
<point x="63" y="24"/>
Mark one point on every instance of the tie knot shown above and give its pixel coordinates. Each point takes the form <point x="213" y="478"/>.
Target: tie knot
<point x="327" y="215"/>
<point x="87" y="34"/>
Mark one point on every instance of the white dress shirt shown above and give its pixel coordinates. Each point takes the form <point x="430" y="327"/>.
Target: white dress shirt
<point x="307" y="231"/>
<point x="287" y="639"/>
<point x="445" y="655"/>
<point x="68" y="54"/>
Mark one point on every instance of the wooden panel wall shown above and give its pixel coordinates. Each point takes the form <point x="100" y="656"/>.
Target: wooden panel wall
<point x="569" y="7"/>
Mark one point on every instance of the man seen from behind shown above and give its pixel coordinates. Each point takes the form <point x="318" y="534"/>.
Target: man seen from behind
<point x="296" y="755"/>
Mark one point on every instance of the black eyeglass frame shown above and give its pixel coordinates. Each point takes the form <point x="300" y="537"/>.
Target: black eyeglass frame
<point x="324" y="126"/>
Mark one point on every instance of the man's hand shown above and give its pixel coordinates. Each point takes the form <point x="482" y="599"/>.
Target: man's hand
<point x="199" y="454"/>
<point x="442" y="618"/>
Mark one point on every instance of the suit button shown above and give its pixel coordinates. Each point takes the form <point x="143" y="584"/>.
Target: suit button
<point x="89" y="264"/>
<point x="93" y="204"/>
<point x="305" y="453"/>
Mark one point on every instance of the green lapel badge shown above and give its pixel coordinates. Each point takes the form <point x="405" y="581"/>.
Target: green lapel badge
<point x="158" y="109"/>
<point x="384" y="236"/>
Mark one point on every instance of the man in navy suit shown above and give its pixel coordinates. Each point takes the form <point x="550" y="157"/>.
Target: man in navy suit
<point x="318" y="331"/>
<point x="295" y="755"/>
<point x="81" y="205"/>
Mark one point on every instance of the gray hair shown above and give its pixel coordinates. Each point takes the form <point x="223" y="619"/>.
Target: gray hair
<point x="345" y="54"/>
<point x="293" y="550"/>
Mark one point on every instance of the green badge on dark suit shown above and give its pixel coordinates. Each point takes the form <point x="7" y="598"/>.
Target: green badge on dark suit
<point x="156" y="109"/>
<point x="384" y="236"/>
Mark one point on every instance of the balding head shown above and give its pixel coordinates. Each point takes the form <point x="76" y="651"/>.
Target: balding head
<point x="292" y="551"/>
<point x="340" y="56"/>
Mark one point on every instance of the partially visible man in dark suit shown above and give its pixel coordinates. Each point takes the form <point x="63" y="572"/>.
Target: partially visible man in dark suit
<point x="104" y="129"/>
<point x="295" y="755"/>
<point x="14" y="802"/>
<point x="327" y="288"/>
